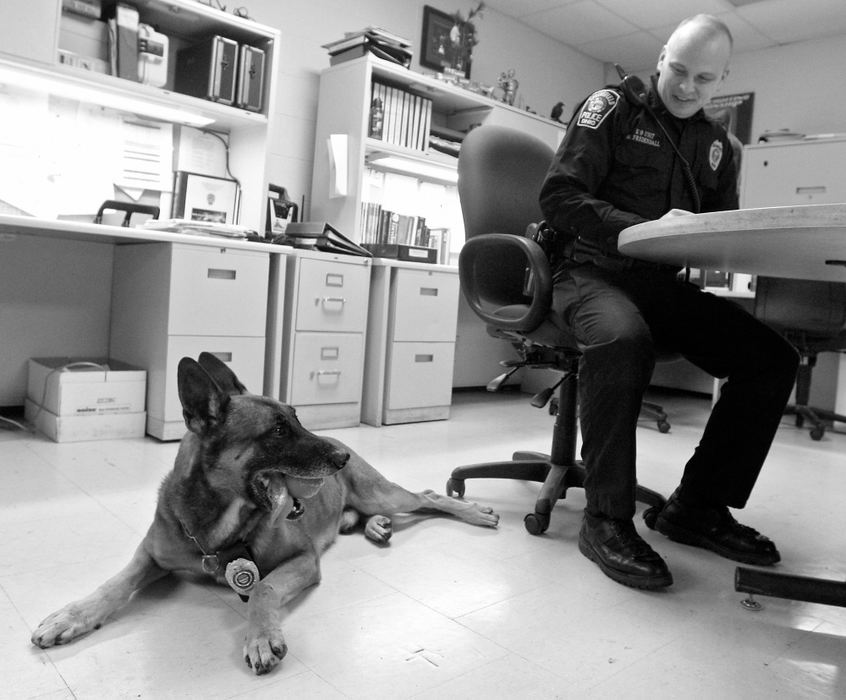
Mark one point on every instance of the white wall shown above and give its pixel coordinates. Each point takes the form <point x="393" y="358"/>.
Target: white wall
<point x="797" y="86"/>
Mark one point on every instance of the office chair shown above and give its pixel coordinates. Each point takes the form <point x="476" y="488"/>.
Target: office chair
<point x="812" y="316"/>
<point x="506" y="279"/>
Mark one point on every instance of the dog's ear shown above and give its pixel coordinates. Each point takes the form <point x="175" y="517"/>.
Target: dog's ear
<point x="223" y="376"/>
<point x="203" y="402"/>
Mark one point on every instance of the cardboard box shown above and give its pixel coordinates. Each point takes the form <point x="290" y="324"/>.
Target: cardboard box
<point x="86" y="387"/>
<point x="108" y="426"/>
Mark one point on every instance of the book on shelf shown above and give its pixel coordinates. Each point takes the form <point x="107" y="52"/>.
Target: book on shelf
<point x="380" y="225"/>
<point x="406" y="116"/>
<point x="321" y="235"/>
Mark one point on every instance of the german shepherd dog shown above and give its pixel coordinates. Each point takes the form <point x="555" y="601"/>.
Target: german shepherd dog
<point x="253" y="500"/>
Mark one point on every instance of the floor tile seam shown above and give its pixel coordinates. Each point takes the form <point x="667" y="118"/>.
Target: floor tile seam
<point x="44" y="653"/>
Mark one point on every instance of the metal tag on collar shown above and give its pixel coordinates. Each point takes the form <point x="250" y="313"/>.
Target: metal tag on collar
<point x="210" y="563"/>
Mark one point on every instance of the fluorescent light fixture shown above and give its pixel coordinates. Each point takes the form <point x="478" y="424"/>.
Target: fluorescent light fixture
<point x="65" y="86"/>
<point x="427" y="170"/>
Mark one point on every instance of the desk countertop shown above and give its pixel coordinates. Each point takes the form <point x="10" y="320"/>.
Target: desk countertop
<point x="11" y="225"/>
<point x="799" y="242"/>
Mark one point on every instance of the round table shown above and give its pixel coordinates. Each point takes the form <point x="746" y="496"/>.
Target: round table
<point x="797" y="242"/>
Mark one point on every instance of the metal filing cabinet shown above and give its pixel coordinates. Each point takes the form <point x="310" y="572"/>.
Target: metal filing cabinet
<point x="410" y="342"/>
<point x="171" y="301"/>
<point x="324" y="335"/>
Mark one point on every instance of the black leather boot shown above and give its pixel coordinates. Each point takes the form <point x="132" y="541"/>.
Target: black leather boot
<point x="621" y="553"/>
<point x="714" y="528"/>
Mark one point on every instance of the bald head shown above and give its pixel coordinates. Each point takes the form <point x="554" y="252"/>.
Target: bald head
<point x="693" y="64"/>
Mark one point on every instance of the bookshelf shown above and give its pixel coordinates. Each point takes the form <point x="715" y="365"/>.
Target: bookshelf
<point x="34" y="33"/>
<point x="368" y="169"/>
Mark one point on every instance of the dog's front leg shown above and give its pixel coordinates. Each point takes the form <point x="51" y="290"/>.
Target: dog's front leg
<point x="265" y="646"/>
<point x="89" y="613"/>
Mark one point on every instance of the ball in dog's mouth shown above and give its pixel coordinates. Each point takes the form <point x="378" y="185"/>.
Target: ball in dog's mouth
<point x="275" y="491"/>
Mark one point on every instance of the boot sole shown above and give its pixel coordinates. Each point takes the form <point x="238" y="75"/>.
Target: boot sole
<point x="695" y="539"/>
<point x="646" y="583"/>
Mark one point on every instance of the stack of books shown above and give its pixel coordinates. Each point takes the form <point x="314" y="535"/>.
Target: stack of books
<point x="374" y="40"/>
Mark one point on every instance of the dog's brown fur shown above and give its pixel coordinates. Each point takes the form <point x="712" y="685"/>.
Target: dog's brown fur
<point x="243" y="472"/>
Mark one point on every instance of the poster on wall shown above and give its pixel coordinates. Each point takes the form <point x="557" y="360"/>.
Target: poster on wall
<point x="734" y="112"/>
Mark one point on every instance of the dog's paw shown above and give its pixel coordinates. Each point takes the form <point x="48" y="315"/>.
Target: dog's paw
<point x="481" y="515"/>
<point x="263" y="651"/>
<point x="62" y="627"/>
<point x="379" y="529"/>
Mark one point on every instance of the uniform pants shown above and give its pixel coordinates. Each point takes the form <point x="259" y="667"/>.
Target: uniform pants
<point x="620" y="319"/>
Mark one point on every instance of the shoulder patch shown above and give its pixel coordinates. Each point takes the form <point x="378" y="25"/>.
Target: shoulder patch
<point x="598" y="106"/>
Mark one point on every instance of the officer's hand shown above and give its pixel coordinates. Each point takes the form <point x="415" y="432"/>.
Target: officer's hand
<point x="676" y="212"/>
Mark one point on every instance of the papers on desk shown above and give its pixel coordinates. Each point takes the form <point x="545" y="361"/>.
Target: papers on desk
<point x="200" y="228"/>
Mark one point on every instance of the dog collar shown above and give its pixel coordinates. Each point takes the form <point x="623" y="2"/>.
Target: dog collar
<point x="236" y="562"/>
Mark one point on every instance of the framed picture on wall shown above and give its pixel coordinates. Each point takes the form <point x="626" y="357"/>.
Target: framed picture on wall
<point x="441" y="45"/>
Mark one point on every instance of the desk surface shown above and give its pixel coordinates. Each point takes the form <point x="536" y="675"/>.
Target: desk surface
<point x="11" y="225"/>
<point x="798" y="242"/>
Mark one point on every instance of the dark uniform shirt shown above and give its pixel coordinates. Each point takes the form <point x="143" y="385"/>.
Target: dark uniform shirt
<point x="615" y="168"/>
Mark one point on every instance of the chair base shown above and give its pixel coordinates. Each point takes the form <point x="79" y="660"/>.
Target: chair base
<point x="654" y="411"/>
<point x="817" y="417"/>
<point x="556" y="480"/>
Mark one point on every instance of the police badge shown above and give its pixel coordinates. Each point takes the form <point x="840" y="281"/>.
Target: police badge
<point x="715" y="155"/>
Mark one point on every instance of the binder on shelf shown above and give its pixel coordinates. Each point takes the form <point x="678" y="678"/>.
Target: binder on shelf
<point x="321" y="235"/>
<point x="123" y="41"/>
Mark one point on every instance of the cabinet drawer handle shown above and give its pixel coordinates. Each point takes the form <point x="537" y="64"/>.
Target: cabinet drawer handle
<point x="217" y="274"/>
<point x="428" y="291"/>
<point x="326" y="301"/>
<point x="326" y="373"/>
<point x="333" y="279"/>
<point x="222" y="356"/>
<point x="424" y="358"/>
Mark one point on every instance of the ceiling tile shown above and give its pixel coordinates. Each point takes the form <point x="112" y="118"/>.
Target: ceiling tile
<point x="579" y="23"/>
<point x="635" y="52"/>
<point x="648" y="15"/>
<point x="790" y="20"/>
<point x="523" y="8"/>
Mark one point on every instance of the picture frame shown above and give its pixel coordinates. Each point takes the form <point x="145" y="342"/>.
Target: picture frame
<point x="437" y="49"/>
<point x="204" y="198"/>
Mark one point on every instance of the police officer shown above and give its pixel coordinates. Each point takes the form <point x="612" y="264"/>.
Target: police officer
<point x="633" y="154"/>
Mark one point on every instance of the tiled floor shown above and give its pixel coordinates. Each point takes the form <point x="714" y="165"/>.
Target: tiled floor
<point x="447" y="610"/>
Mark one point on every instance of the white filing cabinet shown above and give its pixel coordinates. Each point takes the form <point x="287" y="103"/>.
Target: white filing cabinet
<point x="410" y="342"/>
<point x="172" y="300"/>
<point x="805" y="171"/>
<point x="323" y="340"/>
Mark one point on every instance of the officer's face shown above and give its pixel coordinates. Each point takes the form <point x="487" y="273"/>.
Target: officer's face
<point x="690" y="69"/>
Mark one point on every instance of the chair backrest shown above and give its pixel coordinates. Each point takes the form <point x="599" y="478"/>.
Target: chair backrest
<point x="500" y="173"/>
<point x="816" y="309"/>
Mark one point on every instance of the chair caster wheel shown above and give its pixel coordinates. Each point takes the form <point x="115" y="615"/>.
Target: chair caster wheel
<point x="455" y="488"/>
<point x="650" y="516"/>
<point x="817" y="432"/>
<point x="663" y="426"/>
<point x="536" y="523"/>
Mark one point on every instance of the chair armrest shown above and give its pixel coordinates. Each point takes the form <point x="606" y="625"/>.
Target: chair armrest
<point x="506" y="280"/>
